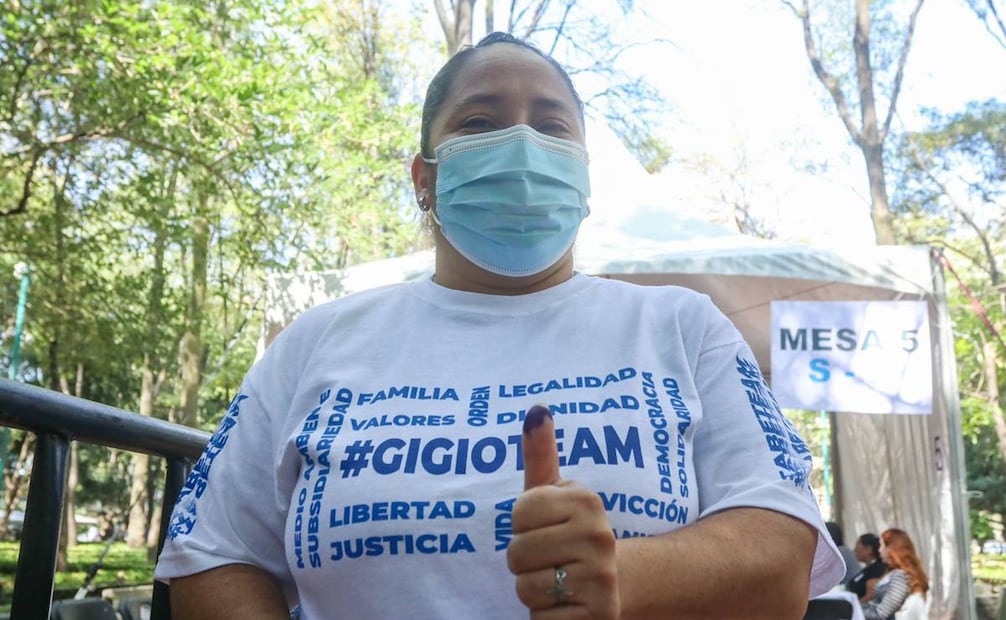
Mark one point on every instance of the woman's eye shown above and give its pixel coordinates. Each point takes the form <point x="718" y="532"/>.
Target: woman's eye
<point x="478" y="122"/>
<point x="554" y="128"/>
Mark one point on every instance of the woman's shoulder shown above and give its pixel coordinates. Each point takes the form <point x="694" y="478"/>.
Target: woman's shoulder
<point x="310" y="325"/>
<point x="646" y="292"/>
<point x="325" y="311"/>
<point x="895" y="574"/>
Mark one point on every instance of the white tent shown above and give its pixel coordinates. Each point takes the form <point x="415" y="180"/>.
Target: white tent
<point x="890" y="470"/>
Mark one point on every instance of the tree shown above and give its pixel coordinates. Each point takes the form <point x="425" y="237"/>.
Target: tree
<point x="872" y="61"/>
<point x="585" y="42"/>
<point x="157" y="171"/>
<point x="952" y="193"/>
<point x="993" y="16"/>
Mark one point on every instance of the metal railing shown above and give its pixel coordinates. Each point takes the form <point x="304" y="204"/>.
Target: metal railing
<point x="56" y="420"/>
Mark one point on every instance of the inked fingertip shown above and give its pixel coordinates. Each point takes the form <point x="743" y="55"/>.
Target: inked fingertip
<point x="535" y="417"/>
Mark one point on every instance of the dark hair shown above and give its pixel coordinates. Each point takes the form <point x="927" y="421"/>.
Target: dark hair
<point x="836" y="533"/>
<point x="872" y="542"/>
<point x="442" y="81"/>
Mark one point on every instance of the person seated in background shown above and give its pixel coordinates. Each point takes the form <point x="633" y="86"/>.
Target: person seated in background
<point x="851" y="561"/>
<point x="904" y="578"/>
<point x="867" y="551"/>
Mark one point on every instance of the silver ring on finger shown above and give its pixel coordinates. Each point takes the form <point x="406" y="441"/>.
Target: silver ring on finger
<point x="559" y="590"/>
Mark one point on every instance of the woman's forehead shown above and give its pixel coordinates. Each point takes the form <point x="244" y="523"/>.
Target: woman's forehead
<point x="494" y="71"/>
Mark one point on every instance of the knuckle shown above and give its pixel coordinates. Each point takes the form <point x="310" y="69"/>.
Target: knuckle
<point x="601" y="538"/>
<point x="587" y="499"/>
<point x="525" y="590"/>
<point x="607" y="577"/>
<point x="524" y="510"/>
<point x="513" y="557"/>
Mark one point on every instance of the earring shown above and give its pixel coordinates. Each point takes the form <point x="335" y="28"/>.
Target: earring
<point x="423" y="201"/>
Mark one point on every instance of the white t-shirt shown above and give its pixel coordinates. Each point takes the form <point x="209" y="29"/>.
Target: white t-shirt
<point x="371" y="459"/>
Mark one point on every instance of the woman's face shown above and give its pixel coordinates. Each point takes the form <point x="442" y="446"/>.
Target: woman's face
<point x="499" y="86"/>
<point x="862" y="552"/>
<point x="505" y="85"/>
<point x="883" y="552"/>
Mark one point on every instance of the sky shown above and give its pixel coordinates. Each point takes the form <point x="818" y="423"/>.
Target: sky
<point x="739" y="83"/>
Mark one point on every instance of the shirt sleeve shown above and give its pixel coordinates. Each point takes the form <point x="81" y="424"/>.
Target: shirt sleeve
<point x="893" y="598"/>
<point x="225" y="513"/>
<point x="747" y="454"/>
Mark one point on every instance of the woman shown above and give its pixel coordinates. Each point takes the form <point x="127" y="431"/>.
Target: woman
<point x="867" y="551"/>
<point x="905" y="577"/>
<point x="372" y="464"/>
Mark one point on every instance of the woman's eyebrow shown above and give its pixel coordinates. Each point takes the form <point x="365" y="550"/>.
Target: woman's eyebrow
<point x="552" y="103"/>
<point x="541" y="103"/>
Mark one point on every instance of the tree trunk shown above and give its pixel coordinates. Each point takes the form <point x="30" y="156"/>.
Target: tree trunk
<point x="871" y="142"/>
<point x="153" y="534"/>
<point x="136" y="532"/>
<point x="69" y="534"/>
<point x="871" y="134"/>
<point x="456" y="24"/>
<point x="992" y="392"/>
<point x="880" y="210"/>
<point x="190" y="349"/>
<point x="14" y="479"/>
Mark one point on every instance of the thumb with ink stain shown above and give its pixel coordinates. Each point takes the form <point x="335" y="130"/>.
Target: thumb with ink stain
<point x="538" y="446"/>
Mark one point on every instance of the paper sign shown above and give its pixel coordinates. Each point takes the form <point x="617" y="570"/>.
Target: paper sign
<point x="856" y="356"/>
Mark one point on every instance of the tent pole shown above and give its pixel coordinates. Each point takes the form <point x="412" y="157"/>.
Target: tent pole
<point x="825" y="428"/>
<point x="953" y="452"/>
<point x="836" y="471"/>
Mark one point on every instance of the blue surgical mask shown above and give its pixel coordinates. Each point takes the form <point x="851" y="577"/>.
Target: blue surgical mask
<point x="511" y="201"/>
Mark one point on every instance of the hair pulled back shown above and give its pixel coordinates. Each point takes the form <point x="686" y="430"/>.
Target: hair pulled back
<point x="871" y="542"/>
<point x="436" y="93"/>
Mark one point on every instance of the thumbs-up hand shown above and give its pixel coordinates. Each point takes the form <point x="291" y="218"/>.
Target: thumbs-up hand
<point x="563" y="548"/>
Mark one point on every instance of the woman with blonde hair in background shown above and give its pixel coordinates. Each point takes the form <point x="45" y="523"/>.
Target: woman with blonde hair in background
<point x="901" y="592"/>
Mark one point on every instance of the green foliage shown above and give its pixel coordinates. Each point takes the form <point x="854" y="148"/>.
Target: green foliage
<point x="286" y="127"/>
<point x="950" y="193"/>
<point x="956" y="169"/>
<point x="121" y="566"/>
<point x="983" y="461"/>
<point x="989" y="568"/>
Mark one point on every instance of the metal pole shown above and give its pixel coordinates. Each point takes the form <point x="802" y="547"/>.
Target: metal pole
<point x="826" y="462"/>
<point x="21" y="270"/>
<point x="36" y="560"/>
<point x="178" y="470"/>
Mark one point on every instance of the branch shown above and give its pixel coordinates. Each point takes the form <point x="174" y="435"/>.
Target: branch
<point x="990" y="257"/>
<point x="793" y="8"/>
<point x="12" y="111"/>
<point x="536" y="17"/>
<point x="183" y="154"/>
<point x="560" y="27"/>
<point x="901" y="70"/>
<point x="999" y="37"/>
<point x="829" y="81"/>
<point x="22" y="204"/>
<point x="445" y="25"/>
<point x="512" y="20"/>
<point x="79" y="135"/>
